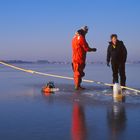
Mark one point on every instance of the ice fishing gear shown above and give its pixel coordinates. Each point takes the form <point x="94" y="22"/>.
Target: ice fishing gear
<point x="49" y="88"/>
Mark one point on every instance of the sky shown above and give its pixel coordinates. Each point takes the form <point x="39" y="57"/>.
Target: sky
<point x="43" y="29"/>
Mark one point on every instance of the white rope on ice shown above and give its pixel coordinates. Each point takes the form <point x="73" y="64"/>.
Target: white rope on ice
<point x="63" y="77"/>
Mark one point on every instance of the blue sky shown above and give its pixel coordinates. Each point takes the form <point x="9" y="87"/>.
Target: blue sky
<point x="43" y="29"/>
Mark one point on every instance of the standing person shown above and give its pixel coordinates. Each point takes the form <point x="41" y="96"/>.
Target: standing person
<point x="117" y="53"/>
<point x="79" y="49"/>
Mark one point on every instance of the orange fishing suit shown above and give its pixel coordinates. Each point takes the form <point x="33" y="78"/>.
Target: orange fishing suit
<point x="79" y="49"/>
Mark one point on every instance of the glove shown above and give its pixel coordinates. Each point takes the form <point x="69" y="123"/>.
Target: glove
<point x="108" y="64"/>
<point x="94" y="49"/>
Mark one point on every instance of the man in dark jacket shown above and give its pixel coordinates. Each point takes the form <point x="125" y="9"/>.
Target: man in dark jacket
<point x="117" y="54"/>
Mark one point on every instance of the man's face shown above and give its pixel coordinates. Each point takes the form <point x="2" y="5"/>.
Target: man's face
<point x="114" y="40"/>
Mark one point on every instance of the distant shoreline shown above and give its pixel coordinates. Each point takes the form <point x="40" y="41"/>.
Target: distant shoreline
<point x="57" y="62"/>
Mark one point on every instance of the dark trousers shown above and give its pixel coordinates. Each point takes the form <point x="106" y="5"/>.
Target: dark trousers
<point x="119" y="69"/>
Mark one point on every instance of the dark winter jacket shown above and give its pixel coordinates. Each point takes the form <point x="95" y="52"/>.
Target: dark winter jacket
<point x="117" y="54"/>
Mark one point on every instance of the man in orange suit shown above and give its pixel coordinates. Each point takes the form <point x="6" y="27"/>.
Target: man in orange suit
<point x="80" y="48"/>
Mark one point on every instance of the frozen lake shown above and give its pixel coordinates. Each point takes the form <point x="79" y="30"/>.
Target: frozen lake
<point x="26" y="113"/>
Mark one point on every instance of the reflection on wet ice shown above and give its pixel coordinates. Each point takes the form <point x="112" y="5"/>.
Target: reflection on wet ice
<point x="116" y="117"/>
<point x="79" y="130"/>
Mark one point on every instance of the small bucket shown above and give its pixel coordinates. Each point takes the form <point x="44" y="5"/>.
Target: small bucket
<point x="117" y="93"/>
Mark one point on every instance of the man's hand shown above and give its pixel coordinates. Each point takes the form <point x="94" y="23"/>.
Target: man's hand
<point x="93" y="49"/>
<point x="108" y="64"/>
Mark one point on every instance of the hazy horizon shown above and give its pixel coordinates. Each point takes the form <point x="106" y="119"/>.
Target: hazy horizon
<point x="37" y="29"/>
